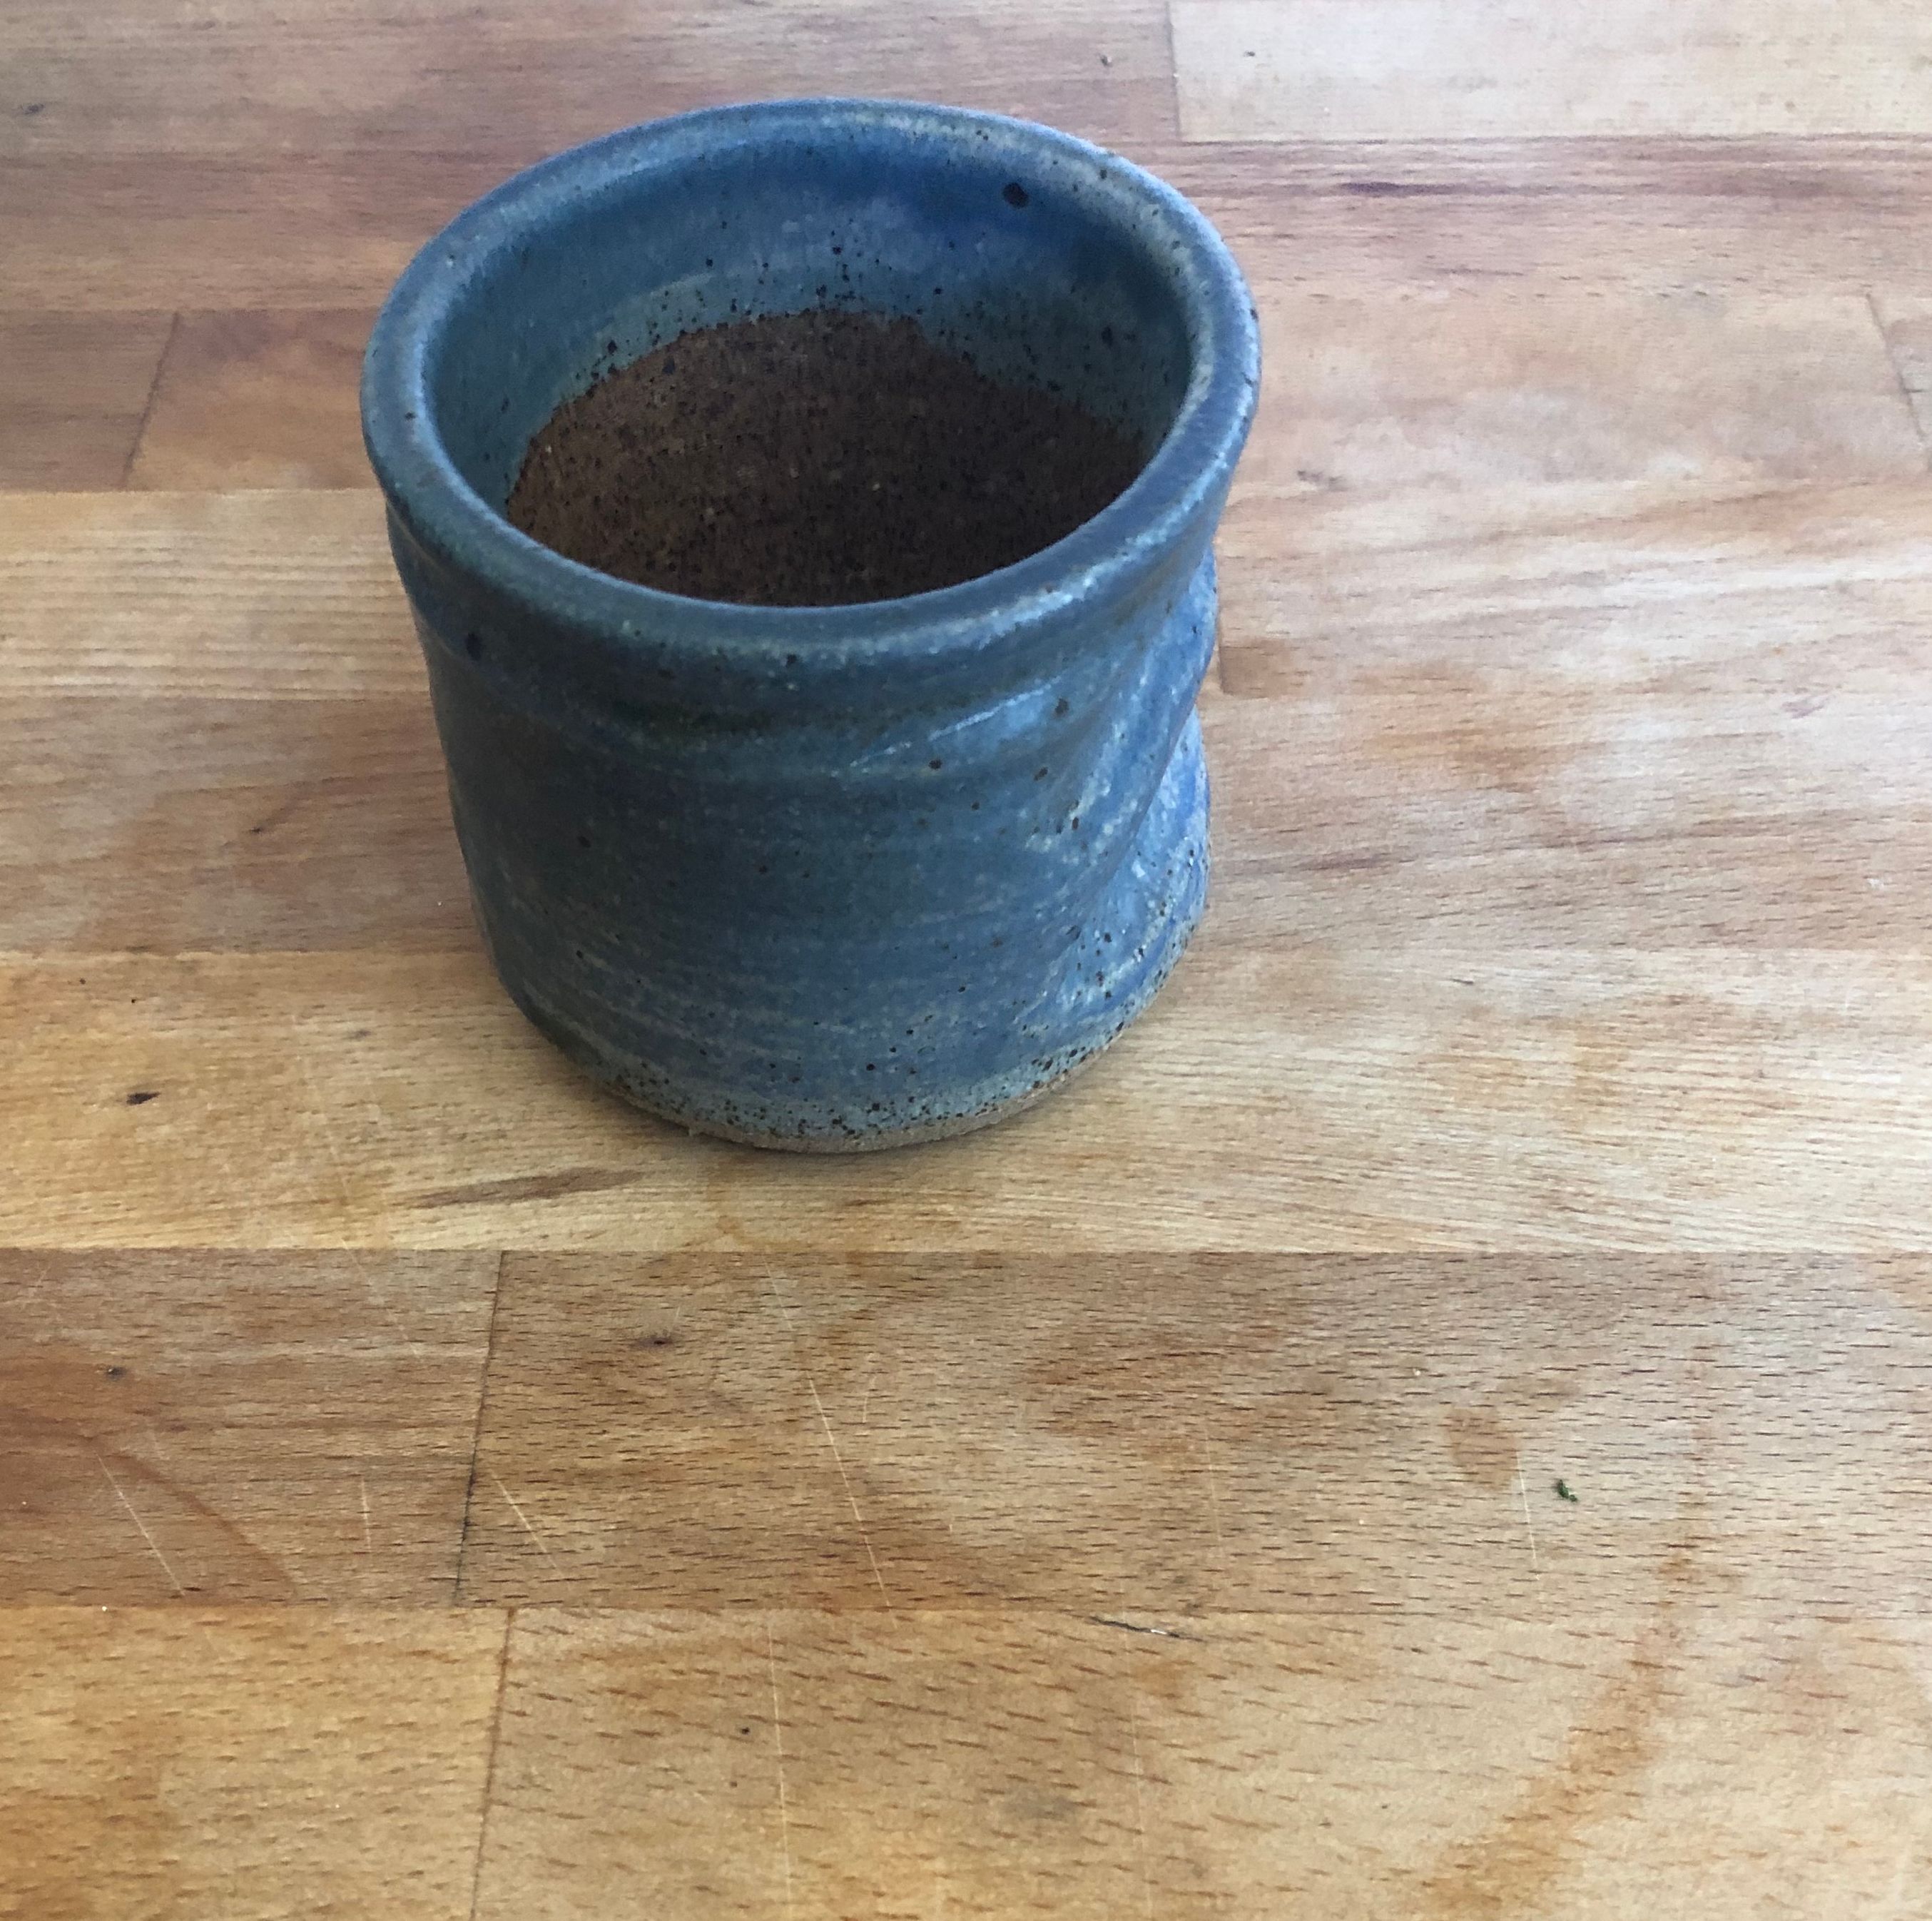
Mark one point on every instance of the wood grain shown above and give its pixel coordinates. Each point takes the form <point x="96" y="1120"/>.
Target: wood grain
<point x="238" y="1427"/>
<point x="278" y="229"/>
<point x="221" y="596"/>
<point x="1794" y="217"/>
<point x="272" y="229"/>
<point x="1728" y="1760"/>
<point x="1150" y="1507"/>
<point x="1158" y="1437"/>
<point x="171" y="824"/>
<point x="1650" y="714"/>
<point x="73" y="387"/>
<point x="1434" y="69"/>
<point x="1503" y="387"/>
<point x="257" y="399"/>
<point x="1281" y="1095"/>
<point x="442" y="76"/>
<point x="250" y="1762"/>
<point x="1507" y="696"/>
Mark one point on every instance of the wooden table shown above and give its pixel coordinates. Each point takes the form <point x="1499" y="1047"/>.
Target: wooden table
<point x="1439" y="1423"/>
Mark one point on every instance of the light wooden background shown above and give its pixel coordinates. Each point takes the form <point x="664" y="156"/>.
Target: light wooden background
<point x="427" y="1489"/>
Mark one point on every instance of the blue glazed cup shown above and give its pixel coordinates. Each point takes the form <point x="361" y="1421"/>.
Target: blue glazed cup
<point x="823" y="876"/>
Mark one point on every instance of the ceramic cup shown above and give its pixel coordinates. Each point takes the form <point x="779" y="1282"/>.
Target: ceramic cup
<point x="826" y="877"/>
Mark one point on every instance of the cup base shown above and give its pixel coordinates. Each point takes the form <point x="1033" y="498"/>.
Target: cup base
<point x="970" y="1122"/>
<point x="1163" y="887"/>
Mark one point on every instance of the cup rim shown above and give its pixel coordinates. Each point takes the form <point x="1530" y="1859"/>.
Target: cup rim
<point x="440" y="510"/>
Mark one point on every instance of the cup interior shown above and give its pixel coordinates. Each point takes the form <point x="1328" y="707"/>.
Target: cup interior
<point x="1040" y="259"/>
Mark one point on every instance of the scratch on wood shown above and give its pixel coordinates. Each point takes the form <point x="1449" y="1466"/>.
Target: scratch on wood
<point x="1523" y="1491"/>
<point x="778" y="1743"/>
<point x="368" y="1280"/>
<point x="1391" y="190"/>
<point x="1214" y="1506"/>
<point x="1140" y="1804"/>
<point x="1897" y="367"/>
<point x="831" y="1440"/>
<point x="271" y="820"/>
<point x="1141" y="1628"/>
<point x="517" y="1509"/>
<point x="154" y="1546"/>
<point x="529" y="1187"/>
<point x="368" y="1540"/>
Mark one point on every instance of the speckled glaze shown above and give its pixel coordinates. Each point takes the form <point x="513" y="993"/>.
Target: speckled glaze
<point x="822" y="878"/>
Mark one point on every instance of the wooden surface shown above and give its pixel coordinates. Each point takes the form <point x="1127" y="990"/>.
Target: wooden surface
<point x="427" y="1489"/>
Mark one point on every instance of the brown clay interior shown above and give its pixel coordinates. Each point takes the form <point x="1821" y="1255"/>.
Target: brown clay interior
<point x="812" y="459"/>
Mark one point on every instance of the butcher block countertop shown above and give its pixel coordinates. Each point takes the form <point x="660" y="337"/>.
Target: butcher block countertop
<point x="1435" y="1425"/>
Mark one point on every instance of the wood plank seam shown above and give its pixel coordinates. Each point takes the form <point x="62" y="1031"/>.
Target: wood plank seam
<point x="476" y="1432"/>
<point x="1217" y="679"/>
<point x="489" y="1763"/>
<point x="1898" y="369"/>
<point x="154" y="388"/>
